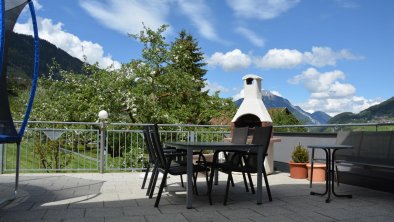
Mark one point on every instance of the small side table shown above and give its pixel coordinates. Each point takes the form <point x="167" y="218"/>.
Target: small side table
<point x="330" y="163"/>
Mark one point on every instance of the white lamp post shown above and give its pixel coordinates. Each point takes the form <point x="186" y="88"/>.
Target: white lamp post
<point x="103" y="116"/>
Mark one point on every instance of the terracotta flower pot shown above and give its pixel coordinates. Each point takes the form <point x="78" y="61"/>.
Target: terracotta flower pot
<point x="319" y="172"/>
<point x="298" y="170"/>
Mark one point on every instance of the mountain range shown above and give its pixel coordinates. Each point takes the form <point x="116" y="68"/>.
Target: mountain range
<point x="274" y="101"/>
<point x="21" y="59"/>
<point x="380" y="113"/>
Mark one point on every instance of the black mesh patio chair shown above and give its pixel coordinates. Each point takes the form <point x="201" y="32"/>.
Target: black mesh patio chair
<point x="153" y="159"/>
<point x="166" y="165"/>
<point x="247" y="162"/>
<point x="239" y="136"/>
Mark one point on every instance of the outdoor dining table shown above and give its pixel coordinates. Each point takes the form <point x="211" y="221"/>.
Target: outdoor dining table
<point x="217" y="146"/>
<point x="330" y="164"/>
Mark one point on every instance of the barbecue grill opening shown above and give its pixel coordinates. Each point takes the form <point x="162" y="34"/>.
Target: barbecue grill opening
<point x="248" y="120"/>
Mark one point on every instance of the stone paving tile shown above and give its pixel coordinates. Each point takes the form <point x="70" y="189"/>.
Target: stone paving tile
<point x="340" y="214"/>
<point x="123" y="203"/>
<point x="308" y="216"/>
<point x="240" y="214"/>
<point x="104" y="212"/>
<point x="141" y="211"/>
<point x="126" y="219"/>
<point x="204" y="217"/>
<point x="64" y="214"/>
<point x="276" y="218"/>
<point x="166" y="218"/>
<point x="94" y="219"/>
<point x="23" y="215"/>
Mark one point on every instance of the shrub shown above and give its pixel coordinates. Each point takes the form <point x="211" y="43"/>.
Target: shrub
<point x="300" y="154"/>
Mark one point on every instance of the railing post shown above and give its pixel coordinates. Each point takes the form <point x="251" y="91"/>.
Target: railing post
<point x="103" y="116"/>
<point x="102" y="147"/>
<point x="1" y="159"/>
<point x="191" y="136"/>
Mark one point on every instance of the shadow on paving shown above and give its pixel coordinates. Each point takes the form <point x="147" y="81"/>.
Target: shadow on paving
<point x="35" y="191"/>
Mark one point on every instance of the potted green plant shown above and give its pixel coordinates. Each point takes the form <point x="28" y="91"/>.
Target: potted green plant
<point x="297" y="165"/>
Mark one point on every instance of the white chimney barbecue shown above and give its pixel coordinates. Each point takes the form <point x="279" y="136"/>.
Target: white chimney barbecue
<point x="252" y="111"/>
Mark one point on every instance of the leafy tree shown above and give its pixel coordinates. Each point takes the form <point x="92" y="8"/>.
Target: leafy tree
<point x="165" y="86"/>
<point x="167" y="83"/>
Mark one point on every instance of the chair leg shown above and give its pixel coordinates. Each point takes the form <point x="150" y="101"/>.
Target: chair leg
<point x="152" y="178"/>
<point x="154" y="184"/>
<point x="207" y="179"/>
<point x="245" y="182"/>
<point x="336" y="174"/>
<point x="312" y="161"/>
<point x="227" y="188"/>
<point x="232" y="181"/>
<point x="211" y="177"/>
<point x="145" y="177"/>
<point x="267" y="184"/>
<point x="195" y="183"/>
<point x="162" y="184"/>
<point x="251" y="183"/>
<point x="183" y="185"/>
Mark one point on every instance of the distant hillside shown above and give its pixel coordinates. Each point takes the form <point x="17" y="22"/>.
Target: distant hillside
<point x="383" y="112"/>
<point x="273" y="101"/>
<point x="320" y="116"/>
<point x="21" y="57"/>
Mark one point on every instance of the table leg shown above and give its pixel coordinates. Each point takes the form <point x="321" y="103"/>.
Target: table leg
<point x="330" y="174"/>
<point x="189" y="188"/>
<point x="333" y="191"/>
<point x="259" y="175"/>
<point x="327" y="176"/>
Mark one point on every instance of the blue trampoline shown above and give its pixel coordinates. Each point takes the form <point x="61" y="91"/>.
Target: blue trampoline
<point x="10" y="11"/>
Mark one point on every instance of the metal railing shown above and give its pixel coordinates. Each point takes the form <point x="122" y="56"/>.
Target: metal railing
<point x="93" y="147"/>
<point x="103" y="147"/>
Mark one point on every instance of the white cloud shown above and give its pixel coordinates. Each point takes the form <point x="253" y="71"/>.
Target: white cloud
<point x="276" y="93"/>
<point x="290" y="58"/>
<point x="37" y="5"/>
<point x="230" y="61"/>
<point x="251" y="36"/>
<point x="280" y="58"/>
<point x="127" y="16"/>
<point x="335" y="106"/>
<point x="200" y="15"/>
<point x="239" y="95"/>
<point x="70" y="43"/>
<point x="329" y="94"/>
<point x="261" y="9"/>
<point x="214" y="87"/>
<point x="323" y="56"/>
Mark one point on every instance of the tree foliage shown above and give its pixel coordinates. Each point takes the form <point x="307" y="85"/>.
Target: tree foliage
<point x="165" y="86"/>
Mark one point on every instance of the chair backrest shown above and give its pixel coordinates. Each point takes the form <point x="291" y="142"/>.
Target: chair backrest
<point x="158" y="149"/>
<point x="240" y="135"/>
<point x="349" y="138"/>
<point x="375" y="147"/>
<point x="149" y="144"/>
<point x="261" y="136"/>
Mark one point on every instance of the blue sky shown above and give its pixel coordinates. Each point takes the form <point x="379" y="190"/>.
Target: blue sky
<point x="327" y="55"/>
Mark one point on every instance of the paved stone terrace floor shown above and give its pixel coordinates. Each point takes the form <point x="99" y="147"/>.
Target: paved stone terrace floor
<point x="118" y="197"/>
